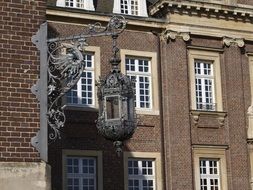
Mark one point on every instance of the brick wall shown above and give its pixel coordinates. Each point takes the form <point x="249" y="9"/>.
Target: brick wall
<point x="80" y="131"/>
<point x="176" y="115"/>
<point x="19" y="68"/>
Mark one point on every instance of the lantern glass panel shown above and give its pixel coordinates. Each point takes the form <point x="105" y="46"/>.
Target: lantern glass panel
<point x="112" y="107"/>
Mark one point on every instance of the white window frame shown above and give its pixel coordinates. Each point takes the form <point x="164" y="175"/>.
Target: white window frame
<point x="97" y="155"/>
<point x="203" y="78"/>
<point x="79" y="84"/>
<point x="152" y="57"/>
<point x="214" y="58"/>
<point x="155" y="157"/>
<point x="129" y="7"/>
<point x="95" y="51"/>
<point x="210" y="153"/>
<point x="140" y="176"/>
<point x="87" y="4"/>
<point x="142" y="7"/>
<point x="137" y="74"/>
<point x="208" y="176"/>
<point x="80" y="175"/>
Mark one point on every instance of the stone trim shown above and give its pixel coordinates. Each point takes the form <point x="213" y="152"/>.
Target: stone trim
<point x="145" y="155"/>
<point x="175" y="22"/>
<point x="215" y="58"/>
<point x="250" y="149"/>
<point x="228" y="41"/>
<point x="172" y="35"/>
<point x="204" y="8"/>
<point x="220" y="50"/>
<point x="154" y="75"/>
<point x="212" y="152"/>
<point x="84" y="153"/>
<point x="25" y="176"/>
<point x="219" y="116"/>
<point x="250" y="109"/>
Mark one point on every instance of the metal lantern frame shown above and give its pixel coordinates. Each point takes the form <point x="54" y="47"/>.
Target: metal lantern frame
<point x="117" y="119"/>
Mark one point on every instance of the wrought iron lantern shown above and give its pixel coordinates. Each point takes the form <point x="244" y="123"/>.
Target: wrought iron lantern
<point x="61" y="71"/>
<point x="117" y="120"/>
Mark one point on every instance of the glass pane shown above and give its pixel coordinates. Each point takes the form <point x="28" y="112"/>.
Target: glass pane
<point x="112" y="107"/>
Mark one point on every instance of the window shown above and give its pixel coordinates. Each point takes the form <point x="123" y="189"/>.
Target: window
<point x="82" y="170"/>
<point x="139" y="69"/>
<point x="142" y="171"/>
<point x="141" y="174"/>
<point x="209" y="174"/>
<point x="205" y="80"/>
<point x="210" y="168"/>
<point x="83" y="94"/>
<point x="130" y="7"/>
<point x="204" y="85"/>
<point x="142" y="67"/>
<point x="80" y="4"/>
<point x="81" y="173"/>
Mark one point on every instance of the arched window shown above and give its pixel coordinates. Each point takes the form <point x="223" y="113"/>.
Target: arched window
<point x="80" y="4"/>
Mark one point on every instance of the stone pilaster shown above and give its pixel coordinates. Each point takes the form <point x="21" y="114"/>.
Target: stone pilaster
<point x="250" y="121"/>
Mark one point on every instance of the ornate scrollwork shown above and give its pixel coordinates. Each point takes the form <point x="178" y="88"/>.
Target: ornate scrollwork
<point x="65" y="66"/>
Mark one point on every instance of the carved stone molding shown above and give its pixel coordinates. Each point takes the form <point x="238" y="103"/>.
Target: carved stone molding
<point x="250" y="110"/>
<point x="228" y="41"/>
<point x="200" y="119"/>
<point x="205" y="9"/>
<point x="250" y="141"/>
<point x="221" y="120"/>
<point x="172" y="35"/>
<point x="195" y="119"/>
<point x="250" y="125"/>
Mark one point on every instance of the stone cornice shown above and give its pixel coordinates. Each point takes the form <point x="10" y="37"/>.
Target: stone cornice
<point x="228" y="12"/>
<point x="59" y="14"/>
<point x="176" y="25"/>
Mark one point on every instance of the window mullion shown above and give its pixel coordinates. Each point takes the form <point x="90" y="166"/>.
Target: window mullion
<point x="129" y="7"/>
<point x="213" y="92"/>
<point x="150" y="93"/>
<point x="93" y="88"/>
<point x="79" y="90"/>
<point x="202" y="78"/>
<point x="80" y="172"/>
<point x="137" y="91"/>
<point x="139" y="168"/>
<point x="203" y="91"/>
<point x="140" y="173"/>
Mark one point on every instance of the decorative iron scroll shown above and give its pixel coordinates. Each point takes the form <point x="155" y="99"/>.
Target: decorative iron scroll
<point x="65" y="66"/>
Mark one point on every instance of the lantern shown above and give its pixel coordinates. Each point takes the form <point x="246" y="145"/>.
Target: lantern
<point x="117" y="120"/>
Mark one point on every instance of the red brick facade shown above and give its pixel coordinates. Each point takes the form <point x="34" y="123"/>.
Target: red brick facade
<point x="174" y="132"/>
<point x="19" y="66"/>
